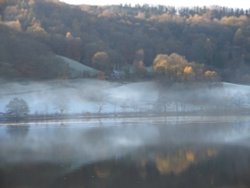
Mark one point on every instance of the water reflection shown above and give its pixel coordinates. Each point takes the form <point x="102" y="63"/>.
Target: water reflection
<point x="126" y="153"/>
<point x="18" y="132"/>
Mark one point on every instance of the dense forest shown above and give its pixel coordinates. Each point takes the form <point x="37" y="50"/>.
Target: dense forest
<point x="124" y="42"/>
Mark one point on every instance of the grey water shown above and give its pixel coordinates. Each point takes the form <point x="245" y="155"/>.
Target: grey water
<point x="190" y="151"/>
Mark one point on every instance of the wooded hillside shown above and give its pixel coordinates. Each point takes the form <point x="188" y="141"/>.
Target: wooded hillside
<point x="218" y="38"/>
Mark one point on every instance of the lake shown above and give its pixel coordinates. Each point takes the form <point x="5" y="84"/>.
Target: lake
<point x="174" y="152"/>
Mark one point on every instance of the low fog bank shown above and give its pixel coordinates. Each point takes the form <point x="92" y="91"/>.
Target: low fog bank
<point x="96" y="96"/>
<point x="78" y="96"/>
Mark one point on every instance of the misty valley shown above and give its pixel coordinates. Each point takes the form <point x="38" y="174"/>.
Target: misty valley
<point x="128" y="134"/>
<point x="124" y="96"/>
<point x="100" y="133"/>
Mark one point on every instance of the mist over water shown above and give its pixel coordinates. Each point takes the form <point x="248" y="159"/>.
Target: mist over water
<point x="92" y="141"/>
<point x="73" y="151"/>
<point x="81" y="142"/>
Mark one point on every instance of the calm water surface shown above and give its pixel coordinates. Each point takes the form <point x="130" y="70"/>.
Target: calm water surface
<point x="152" y="152"/>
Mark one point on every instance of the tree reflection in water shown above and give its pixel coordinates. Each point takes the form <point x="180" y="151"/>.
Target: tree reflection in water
<point x="179" y="161"/>
<point x="17" y="131"/>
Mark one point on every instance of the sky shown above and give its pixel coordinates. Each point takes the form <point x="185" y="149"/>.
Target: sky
<point x="178" y="3"/>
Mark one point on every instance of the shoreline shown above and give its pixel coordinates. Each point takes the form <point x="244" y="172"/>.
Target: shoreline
<point x="139" y="116"/>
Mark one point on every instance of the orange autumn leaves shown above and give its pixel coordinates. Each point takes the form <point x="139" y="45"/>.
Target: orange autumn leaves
<point x="176" y="68"/>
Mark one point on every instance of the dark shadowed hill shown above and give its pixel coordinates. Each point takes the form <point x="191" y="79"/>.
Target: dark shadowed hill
<point x="21" y="56"/>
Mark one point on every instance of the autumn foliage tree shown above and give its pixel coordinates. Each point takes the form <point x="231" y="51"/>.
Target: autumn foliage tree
<point x="101" y="61"/>
<point x="176" y="68"/>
